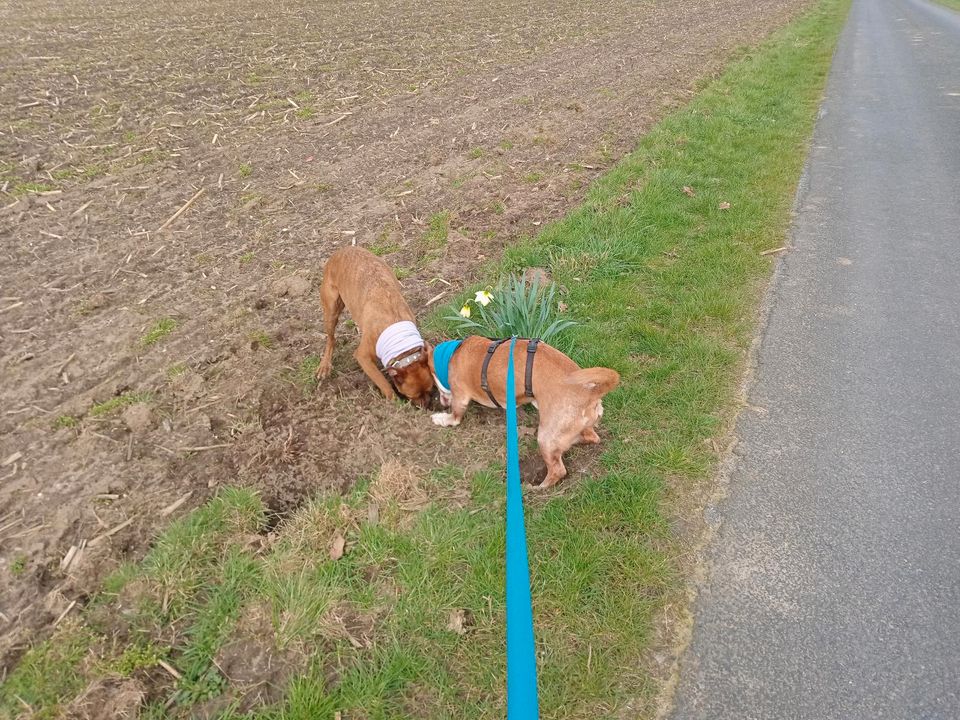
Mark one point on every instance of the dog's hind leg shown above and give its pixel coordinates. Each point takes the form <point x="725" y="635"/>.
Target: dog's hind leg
<point x="332" y="305"/>
<point x="589" y="435"/>
<point x="553" y="457"/>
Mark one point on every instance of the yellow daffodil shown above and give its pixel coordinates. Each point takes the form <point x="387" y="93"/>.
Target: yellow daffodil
<point x="483" y="297"/>
<point x="465" y="311"/>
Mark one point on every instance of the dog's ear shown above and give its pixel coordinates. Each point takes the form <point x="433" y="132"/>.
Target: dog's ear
<point x="392" y="372"/>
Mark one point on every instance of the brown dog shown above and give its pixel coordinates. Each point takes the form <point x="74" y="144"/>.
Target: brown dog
<point x="359" y="280"/>
<point x="567" y="398"/>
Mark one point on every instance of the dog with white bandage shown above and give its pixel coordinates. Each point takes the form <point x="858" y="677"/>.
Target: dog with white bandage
<point x="360" y="281"/>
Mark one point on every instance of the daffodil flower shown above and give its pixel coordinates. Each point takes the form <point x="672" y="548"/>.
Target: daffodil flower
<point x="483" y="297"/>
<point x="465" y="311"/>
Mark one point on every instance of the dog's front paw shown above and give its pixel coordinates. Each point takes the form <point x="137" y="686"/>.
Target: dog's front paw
<point x="322" y="372"/>
<point x="444" y="419"/>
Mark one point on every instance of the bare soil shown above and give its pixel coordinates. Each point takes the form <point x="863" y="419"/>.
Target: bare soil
<point x="306" y="126"/>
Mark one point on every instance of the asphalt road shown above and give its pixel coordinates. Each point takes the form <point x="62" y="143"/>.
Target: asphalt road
<point x="833" y="586"/>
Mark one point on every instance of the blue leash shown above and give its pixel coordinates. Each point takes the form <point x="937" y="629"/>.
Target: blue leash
<point x="522" y="703"/>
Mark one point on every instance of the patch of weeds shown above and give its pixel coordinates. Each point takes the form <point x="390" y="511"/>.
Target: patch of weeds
<point x="202" y="259"/>
<point x="18" y="566"/>
<point x="540" y="140"/>
<point x="120" y="401"/>
<point x="176" y="370"/>
<point x="498" y="208"/>
<point x="438" y="230"/>
<point x="533" y="177"/>
<point x="303" y="97"/>
<point x="245" y="170"/>
<point x="237" y="578"/>
<point x="47" y="675"/>
<point x="323" y="187"/>
<point x="384" y="247"/>
<point x="65" y="421"/>
<point x="306" y="376"/>
<point x="149" y="157"/>
<point x="305" y="113"/>
<point x="402" y="273"/>
<point x="87" y="172"/>
<point x="247" y="257"/>
<point x="476" y="153"/>
<point x="22" y="188"/>
<point x="128" y="136"/>
<point x="161" y="328"/>
<point x="139" y="656"/>
<point x="506" y="144"/>
<point x="260" y="339"/>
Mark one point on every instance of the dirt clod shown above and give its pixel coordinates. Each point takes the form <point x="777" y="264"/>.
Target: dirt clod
<point x="292" y="286"/>
<point x="138" y="417"/>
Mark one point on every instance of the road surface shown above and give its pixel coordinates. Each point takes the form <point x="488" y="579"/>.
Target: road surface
<point x="833" y="586"/>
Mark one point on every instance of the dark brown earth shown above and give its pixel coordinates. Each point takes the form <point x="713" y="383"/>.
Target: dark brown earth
<point x="306" y="126"/>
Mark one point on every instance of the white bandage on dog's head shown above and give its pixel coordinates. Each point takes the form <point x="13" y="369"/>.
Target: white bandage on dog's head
<point x="397" y="339"/>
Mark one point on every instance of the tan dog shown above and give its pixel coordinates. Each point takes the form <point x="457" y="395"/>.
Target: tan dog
<point x="359" y="280"/>
<point x="567" y="398"/>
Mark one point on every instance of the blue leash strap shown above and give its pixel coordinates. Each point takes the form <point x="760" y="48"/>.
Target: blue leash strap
<point x="522" y="703"/>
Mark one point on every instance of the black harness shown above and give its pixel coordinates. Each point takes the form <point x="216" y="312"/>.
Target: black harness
<point x="528" y="375"/>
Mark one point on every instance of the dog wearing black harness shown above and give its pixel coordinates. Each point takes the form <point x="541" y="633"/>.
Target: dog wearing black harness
<point x="567" y="397"/>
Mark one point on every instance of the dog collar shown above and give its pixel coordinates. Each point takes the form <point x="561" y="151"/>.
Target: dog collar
<point x="442" y="354"/>
<point x="405" y="359"/>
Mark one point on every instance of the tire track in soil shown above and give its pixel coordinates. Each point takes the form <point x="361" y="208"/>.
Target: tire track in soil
<point x="94" y="274"/>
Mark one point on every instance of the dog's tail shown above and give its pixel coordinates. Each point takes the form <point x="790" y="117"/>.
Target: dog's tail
<point x="597" y="380"/>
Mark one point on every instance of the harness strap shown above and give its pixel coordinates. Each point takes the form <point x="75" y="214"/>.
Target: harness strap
<point x="491" y="349"/>
<point x="528" y="376"/>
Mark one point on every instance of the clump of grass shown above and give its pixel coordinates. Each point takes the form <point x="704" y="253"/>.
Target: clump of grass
<point x="305" y="113"/>
<point x="160" y="329"/>
<point x="245" y="170"/>
<point x="22" y="188"/>
<point x="384" y="247"/>
<point x="47" y="674"/>
<point x="506" y="144"/>
<point x="259" y="338"/>
<point x="515" y="307"/>
<point x="247" y="257"/>
<point x="438" y="230"/>
<point x="498" y="208"/>
<point x="18" y="566"/>
<point x="306" y="373"/>
<point x="176" y="370"/>
<point x="118" y="402"/>
<point x="533" y="177"/>
<point x="138" y="656"/>
<point x="65" y="421"/>
<point x="476" y="153"/>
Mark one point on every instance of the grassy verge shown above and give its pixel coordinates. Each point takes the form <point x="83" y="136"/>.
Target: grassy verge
<point x="953" y="4"/>
<point x="389" y="603"/>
